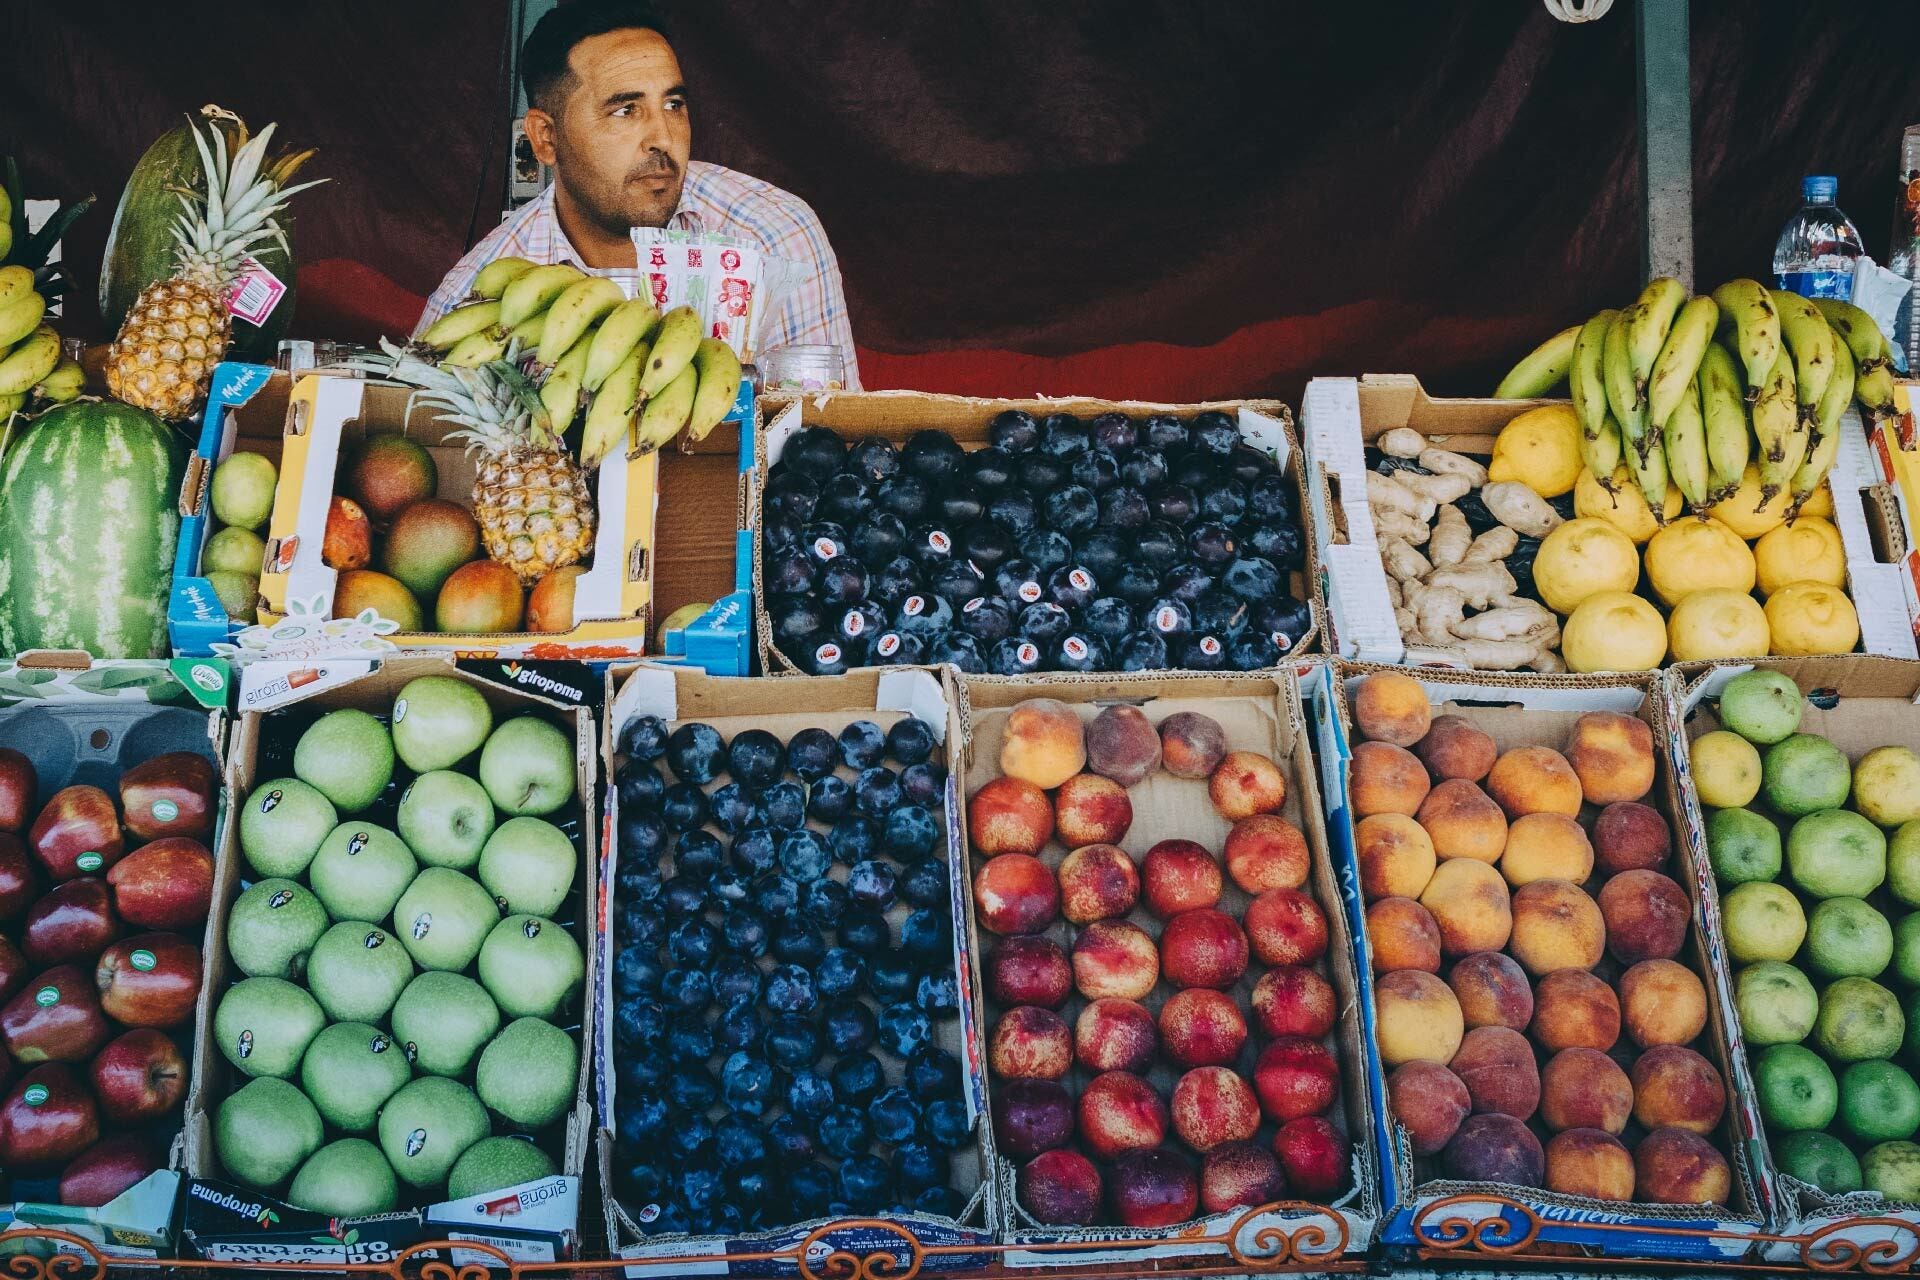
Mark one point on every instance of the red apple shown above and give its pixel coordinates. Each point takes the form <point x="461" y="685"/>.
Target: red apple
<point x="55" y="1018"/>
<point x="18" y="787"/>
<point x="1295" y="1076"/>
<point x="164" y="885"/>
<point x="14" y="969"/>
<point x="150" y="980"/>
<point x="78" y="833"/>
<point x="19" y="881"/>
<point x="1314" y="1156"/>
<point x="75" y="922"/>
<point x="107" y="1168"/>
<point x="170" y="795"/>
<point x="48" y="1118"/>
<point x="138" y="1076"/>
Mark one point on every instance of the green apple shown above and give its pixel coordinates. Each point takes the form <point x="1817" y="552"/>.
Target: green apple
<point x="1796" y="1089"/>
<point x="357" y="970"/>
<point x="361" y="871"/>
<point x="442" y="1020"/>
<point x="1836" y="853"/>
<point x="531" y="967"/>
<point x="264" y="1131"/>
<point x="264" y="1026"/>
<point x="1859" y="1019"/>
<point x="1906" y="949"/>
<point x="238" y="593"/>
<point x="282" y="825"/>
<point x="349" y="1070"/>
<point x="527" y="1075"/>
<point x="439" y="721"/>
<point x="348" y="755"/>
<point x="442" y="919"/>
<point x="494" y="1164"/>
<point x="1804" y="774"/>
<point x="234" y="550"/>
<point x="1761" y="706"/>
<point x="426" y="1126"/>
<point x="1819" y="1159"/>
<point x="1886" y="786"/>
<point x="527" y="767"/>
<point x="1893" y="1169"/>
<point x="1743" y="846"/>
<point x="528" y="864"/>
<point x="348" y="1178"/>
<point x="1848" y="938"/>
<point x="242" y="490"/>
<point x="445" y="818"/>
<point x="1878" y="1101"/>
<point x="1776" y="1003"/>
<point x="272" y="927"/>
<point x="1903" y="864"/>
<point x="1763" y="922"/>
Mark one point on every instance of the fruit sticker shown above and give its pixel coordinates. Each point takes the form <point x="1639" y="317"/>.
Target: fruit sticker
<point x="531" y="928"/>
<point x="89" y="861"/>
<point x="1029" y="653"/>
<point x="1081" y="580"/>
<point x="1166" y="618"/>
<point x="1282" y="641"/>
<point x="142" y="960"/>
<point x="826" y="548"/>
<point x="399" y="710"/>
<point x="973" y="605"/>
<point x="853" y="623"/>
<point x="1030" y="591"/>
<point x="244" y="1046"/>
<point x="35" y="1095"/>
<point x="373" y="939"/>
<point x="1074" y="647"/>
<point x="827" y="653"/>
<point x="355" y="845"/>
<point x="47" y="997"/>
<point x="1209" y="646"/>
<point x="271" y="801"/>
<point x="280" y="899"/>
<point x="165" y="810"/>
<point x="939" y="541"/>
<point x="914" y="606"/>
<point x="416" y="1142"/>
<point x="422" y="923"/>
<point x="379" y="1044"/>
<point x="887" y="645"/>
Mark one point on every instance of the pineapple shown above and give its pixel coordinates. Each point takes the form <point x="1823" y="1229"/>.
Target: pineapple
<point x="532" y="501"/>
<point x="178" y="329"/>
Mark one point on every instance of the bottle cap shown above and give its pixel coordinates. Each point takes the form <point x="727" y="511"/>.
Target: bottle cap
<point x="1822" y="189"/>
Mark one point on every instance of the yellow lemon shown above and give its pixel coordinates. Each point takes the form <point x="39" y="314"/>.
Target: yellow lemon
<point x="1625" y="508"/>
<point x="1819" y="502"/>
<point x="1808" y="550"/>
<point x="1726" y="769"/>
<point x="1540" y="449"/>
<point x="1741" y="511"/>
<point x="1581" y="557"/>
<point x="1812" y="617"/>
<point x="1697" y="555"/>
<point x="1717" y="624"/>
<point x="1613" y="631"/>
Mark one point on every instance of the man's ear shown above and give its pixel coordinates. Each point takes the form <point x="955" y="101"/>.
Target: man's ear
<point x="542" y="130"/>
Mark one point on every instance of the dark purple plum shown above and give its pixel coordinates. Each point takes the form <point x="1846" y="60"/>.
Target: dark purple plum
<point x="684" y="806"/>
<point x="1248" y="464"/>
<point x="644" y="738"/>
<point x="815" y="451"/>
<point x="792" y="493"/>
<point x="894" y="581"/>
<point x="1252" y="578"/>
<point x="1285" y="619"/>
<point x="904" y="1028"/>
<point x="732" y="808"/>
<point x="844" y="499"/>
<point x="991" y="469"/>
<point x="1197" y="472"/>
<point x="776" y="896"/>
<point x="904" y="495"/>
<point x="789" y="989"/>
<point x="871" y="882"/>
<point x="1064" y="436"/>
<point x="793" y="1042"/>
<point x="858" y="1078"/>
<point x="961" y="506"/>
<point x="874" y="459"/>
<point x="865" y="931"/>
<point x="933" y="1074"/>
<point x="825" y="901"/>
<point x="1210" y="543"/>
<point x="1145" y="468"/>
<point x="1165" y="432"/>
<point x="1158" y="547"/>
<point x="746" y="933"/>
<point x="1016" y="657"/>
<point x="956" y="582"/>
<point x="938" y="995"/>
<point x="755" y="850"/>
<point x="812" y="754"/>
<point x="1186" y="582"/>
<point x="799" y="942"/>
<point x="695" y="753"/>
<point x="1203" y="653"/>
<point x="890" y="977"/>
<point x="1220" y="612"/>
<point x="946" y="1124"/>
<point x="640" y="786"/>
<point x="1013" y="430"/>
<point x="691" y="943"/>
<point x="1038" y="472"/>
<point x="755" y="758"/>
<point x="893" y="1115"/>
<point x="1253" y="652"/>
<point x="809" y="1094"/>
<point x="1271" y="499"/>
<point x="686" y="990"/>
<point x="1072" y="587"/>
<point x="1114" y="431"/>
<point x="805" y="855"/>
<point x="1226" y="502"/>
<point x="1097" y="469"/>
<point x="844" y="581"/>
<point x="1071" y="509"/>
<point x="1047" y="549"/>
<point x="986" y="545"/>
<point x="909" y="832"/>
<point x="897" y="648"/>
<point x="930" y="544"/>
<point x="824" y="540"/>
<point x="1103" y="551"/>
<point x="840" y="971"/>
<point x="923" y="614"/>
<point x="924" y="882"/>
<point x="1014" y="511"/>
<point x="1142" y="651"/>
<point x="1136" y="583"/>
<point x="1017" y="582"/>
<point x="959" y="650"/>
<point x="876" y="792"/>
<point x="987" y="618"/>
<point x="1125" y="507"/>
<point x="1213" y="433"/>
<point x="926" y="937"/>
<point x="824" y="654"/>
<point x="878" y="538"/>
<point x="791" y="1144"/>
<point x="735" y="978"/>
<point x="848" y="1025"/>
<point x="1280" y="543"/>
<point x="781" y="531"/>
<point x="783" y="806"/>
<point x="1080" y="652"/>
<point x="791" y="572"/>
<point x="925" y="784"/>
<point x="1169" y="617"/>
<point x="862" y="744"/>
<point x="934" y="456"/>
<point x="861" y="623"/>
<point x="683" y="898"/>
<point x="1174" y="503"/>
<point x="853" y="839"/>
<point x="1044" y="623"/>
<point x="910" y="740"/>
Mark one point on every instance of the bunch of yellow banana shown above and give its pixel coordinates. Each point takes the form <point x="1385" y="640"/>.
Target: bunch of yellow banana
<point x="641" y="377"/>
<point x="1689" y="390"/>
<point x="31" y="367"/>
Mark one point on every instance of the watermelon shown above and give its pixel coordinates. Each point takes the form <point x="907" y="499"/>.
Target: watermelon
<point x="88" y="522"/>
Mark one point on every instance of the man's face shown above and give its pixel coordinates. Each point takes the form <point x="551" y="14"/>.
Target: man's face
<point x="619" y="145"/>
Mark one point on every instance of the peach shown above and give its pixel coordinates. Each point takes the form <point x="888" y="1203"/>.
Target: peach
<point x="1674" y="1086"/>
<point x="1613" y="756"/>
<point x="1030" y="1041"/>
<point x="1535" y="780"/>
<point x="1496" y="1064"/>
<point x="1662" y="1002"/>
<point x="1240" y="1175"/>
<point x="1591" y="1163"/>
<point x="1469" y="902"/>
<point x="1028" y="969"/>
<point x="1015" y="893"/>
<point x="1295" y="1076"/>
<point x="1395" y="856"/>
<point x="1384" y="778"/>
<point x="1291" y="1000"/>
<point x="1647" y="916"/>
<point x="1492" y="1147"/>
<point x="1152" y="1188"/>
<point x="1212" y="1107"/>
<point x="1247" y="783"/>
<point x="1045" y="743"/>
<point x="1584" y="1089"/>
<point x="1493" y="991"/>
<point x="1630" y="836"/>
<point x="1575" y="1010"/>
<point x="1314" y="1156"/>
<point x="1463" y="821"/>
<point x="1429" y="1101"/>
<point x="1098" y="882"/>
<point x="1179" y="875"/>
<point x="1556" y="926"/>
<point x="1009" y="816"/>
<point x="1285" y="926"/>
<point x="1201" y="1027"/>
<point x="1191" y="745"/>
<point x="1114" y="958"/>
<point x="1203" y="948"/>
<point x="1031" y="1116"/>
<point x="1417" y="1018"/>
<point x="1060" y="1188"/>
<point x="1390" y="706"/>
<point x="1120" y="1112"/>
<point x="1678" y="1166"/>
<point x="1266" y="852"/>
<point x="1115" y="1035"/>
<point x="1453" y="748"/>
<point x="348" y="541"/>
<point x="1090" y="809"/>
<point x="1546" y="846"/>
<point x="1402" y="935"/>
<point x="1122" y="745"/>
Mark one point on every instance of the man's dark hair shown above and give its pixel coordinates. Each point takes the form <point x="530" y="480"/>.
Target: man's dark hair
<point x="544" y="72"/>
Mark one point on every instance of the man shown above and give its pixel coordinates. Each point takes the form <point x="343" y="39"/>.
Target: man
<point x="608" y="112"/>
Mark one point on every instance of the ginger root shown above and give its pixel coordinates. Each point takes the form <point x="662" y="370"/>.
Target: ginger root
<point x="1509" y="623"/>
<point x="1480" y="584"/>
<point x="1395" y="524"/>
<point x="1407" y="564"/>
<point x="1494" y="545"/>
<point x="1436" y="611"/>
<point x="1402" y="442"/>
<point x="1385" y="493"/>
<point x="1444" y="462"/>
<point x="1451" y="537"/>
<point x="1437" y="489"/>
<point x="1520" y="508"/>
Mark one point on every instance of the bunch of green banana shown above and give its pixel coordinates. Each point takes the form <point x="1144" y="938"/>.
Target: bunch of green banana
<point x="31" y="366"/>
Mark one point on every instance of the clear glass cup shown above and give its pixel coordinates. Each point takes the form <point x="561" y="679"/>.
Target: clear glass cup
<point x="802" y="367"/>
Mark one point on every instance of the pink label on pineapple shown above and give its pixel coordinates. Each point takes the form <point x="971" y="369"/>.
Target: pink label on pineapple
<point x="255" y="293"/>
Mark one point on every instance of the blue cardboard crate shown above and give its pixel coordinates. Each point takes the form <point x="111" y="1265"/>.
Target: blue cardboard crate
<point x="196" y="620"/>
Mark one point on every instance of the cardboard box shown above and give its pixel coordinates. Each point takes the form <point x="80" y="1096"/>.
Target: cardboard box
<point x="1340" y="417"/>
<point x="534" y="1222"/>
<point x="1429" y="1212"/>
<point x="1858" y="703"/>
<point x="1895" y="445"/>
<point x="1259" y="712"/>
<point x="897" y="415"/>
<point x="196" y="620"/>
<point x="784" y="707"/>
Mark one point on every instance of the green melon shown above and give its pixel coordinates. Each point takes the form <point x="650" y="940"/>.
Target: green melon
<point x="88" y="522"/>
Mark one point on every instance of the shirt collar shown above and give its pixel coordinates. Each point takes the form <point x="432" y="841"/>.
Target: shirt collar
<point x="683" y="218"/>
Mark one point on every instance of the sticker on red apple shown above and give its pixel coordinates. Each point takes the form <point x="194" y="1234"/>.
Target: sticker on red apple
<point x="89" y="861"/>
<point x="35" y="1095"/>
<point x="165" y="811"/>
<point x="142" y="960"/>
<point x="47" y="997"/>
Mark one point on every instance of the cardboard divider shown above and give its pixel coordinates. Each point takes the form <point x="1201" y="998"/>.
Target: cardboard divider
<point x="1259" y="712"/>
<point x="1424" y="1209"/>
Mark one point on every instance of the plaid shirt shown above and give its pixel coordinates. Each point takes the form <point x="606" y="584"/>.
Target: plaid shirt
<point x="713" y="199"/>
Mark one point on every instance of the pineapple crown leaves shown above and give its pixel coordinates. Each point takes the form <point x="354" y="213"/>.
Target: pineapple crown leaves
<point x="496" y="403"/>
<point x="30" y="251"/>
<point x="241" y="201"/>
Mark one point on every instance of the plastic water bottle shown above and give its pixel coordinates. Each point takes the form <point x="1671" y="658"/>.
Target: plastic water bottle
<point x="1904" y="258"/>
<point x="1815" y="253"/>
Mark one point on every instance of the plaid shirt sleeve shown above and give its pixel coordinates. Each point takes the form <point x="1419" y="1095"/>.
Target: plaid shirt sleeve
<point x="530" y="233"/>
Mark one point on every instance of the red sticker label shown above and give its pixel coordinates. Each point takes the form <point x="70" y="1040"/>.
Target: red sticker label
<point x="1030" y="591"/>
<point x="888" y="645"/>
<point x="1028" y="653"/>
<point x="1081" y="580"/>
<point x="939" y="541"/>
<point x="1166" y="619"/>
<point x="827" y="653"/>
<point x="854" y="623"/>
<point x="1281" y="641"/>
<point x="1209" y="646"/>
<point x="825" y="549"/>
<point x="1074" y="647"/>
<point x="973" y="605"/>
<point x="914" y="606"/>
